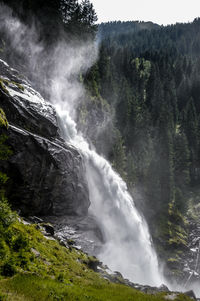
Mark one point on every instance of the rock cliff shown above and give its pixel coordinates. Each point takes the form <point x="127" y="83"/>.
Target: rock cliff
<point x="46" y="173"/>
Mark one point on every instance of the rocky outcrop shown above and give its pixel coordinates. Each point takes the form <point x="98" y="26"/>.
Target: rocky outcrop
<point x="24" y="107"/>
<point x="83" y="232"/>
<point x="46" y="174"/>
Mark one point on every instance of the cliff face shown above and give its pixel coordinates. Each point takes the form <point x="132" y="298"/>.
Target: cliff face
<point x="46" y="174"/>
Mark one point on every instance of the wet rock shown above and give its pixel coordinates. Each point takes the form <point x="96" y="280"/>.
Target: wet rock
<point x="35" y="219"/>
<point x="47" y="176"/>
<point x="118" y="274"/>
<point x="35" y="252"/>
<point x="70" y="242"/>
<point x="191" y="294"/>
<point x="25" y="107"/>
<point x="82" y="232"/>
<point x="78" y="248"/>
<point x="171" y="296"/>
<point x="63" y="243"/>
<point x="93" y="263"/>
<point x="163" y="288"/>
<point x="49" y="228"/>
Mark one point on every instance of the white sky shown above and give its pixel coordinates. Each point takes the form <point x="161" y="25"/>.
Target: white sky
<point x="158" y="11"/>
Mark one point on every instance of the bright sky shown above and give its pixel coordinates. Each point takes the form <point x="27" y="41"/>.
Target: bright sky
<point x="158" y="11"/>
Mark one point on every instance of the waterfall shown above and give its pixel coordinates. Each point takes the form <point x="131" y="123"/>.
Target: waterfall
<point x="127" y="248"/>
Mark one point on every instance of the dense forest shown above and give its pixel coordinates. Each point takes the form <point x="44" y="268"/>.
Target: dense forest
<point x="147" y="80"/>
<point x="51" y="17"/>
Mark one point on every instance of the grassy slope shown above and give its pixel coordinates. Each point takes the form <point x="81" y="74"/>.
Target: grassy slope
<point x="57" y="273"/>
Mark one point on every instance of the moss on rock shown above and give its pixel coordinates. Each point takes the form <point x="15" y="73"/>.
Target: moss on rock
<point x="3" y="120"/>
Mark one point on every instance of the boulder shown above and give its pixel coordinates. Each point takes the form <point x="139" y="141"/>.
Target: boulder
<point x="49" y="229"/>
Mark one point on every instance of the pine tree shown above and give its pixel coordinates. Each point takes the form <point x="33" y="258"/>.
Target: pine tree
<point x="88" y="14"/>
<point x="190" y="128"/>
<point x="182" y="161"/>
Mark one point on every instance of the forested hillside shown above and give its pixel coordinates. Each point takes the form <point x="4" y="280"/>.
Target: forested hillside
<point x="148" y="82"/>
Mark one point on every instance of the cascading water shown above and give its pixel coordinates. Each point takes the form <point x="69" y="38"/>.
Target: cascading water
<point x="127" y="247"/>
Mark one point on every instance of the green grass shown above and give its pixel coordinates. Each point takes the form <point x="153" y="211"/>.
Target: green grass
<point x="57" y="273"/>
<point x="34" y="288"/>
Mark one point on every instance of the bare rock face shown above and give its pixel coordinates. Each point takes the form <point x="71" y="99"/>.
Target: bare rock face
<point x="47" y="176"/>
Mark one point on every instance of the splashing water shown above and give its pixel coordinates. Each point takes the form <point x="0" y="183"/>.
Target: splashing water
<point x="127" y="247"/>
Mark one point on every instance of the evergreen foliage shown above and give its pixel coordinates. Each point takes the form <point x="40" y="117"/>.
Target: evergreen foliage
<point x="149" y="75"/>
<point x="54" y="18"/>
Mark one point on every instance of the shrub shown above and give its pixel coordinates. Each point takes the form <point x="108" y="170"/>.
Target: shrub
<point x="8" y="269"/>
<point x="23" y="259"/>
<point x="7" y="217"/>
<point x="4" y="250"/>
<point x="20" y="242"/>
<point x="60" y="277"/>
<point x="3" y="297"/>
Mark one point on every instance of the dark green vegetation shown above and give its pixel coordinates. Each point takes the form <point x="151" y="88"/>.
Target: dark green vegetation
<point x="55" y="16"/>
<point x="113" y="29"/>
<point x="41" y="269"/>
<point x="150" y="78"/>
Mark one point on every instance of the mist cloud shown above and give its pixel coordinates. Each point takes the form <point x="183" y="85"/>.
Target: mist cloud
<point x="55" y="70"/>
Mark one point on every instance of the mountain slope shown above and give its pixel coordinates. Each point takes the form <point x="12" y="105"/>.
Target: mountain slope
<point x="150" y="82"/>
